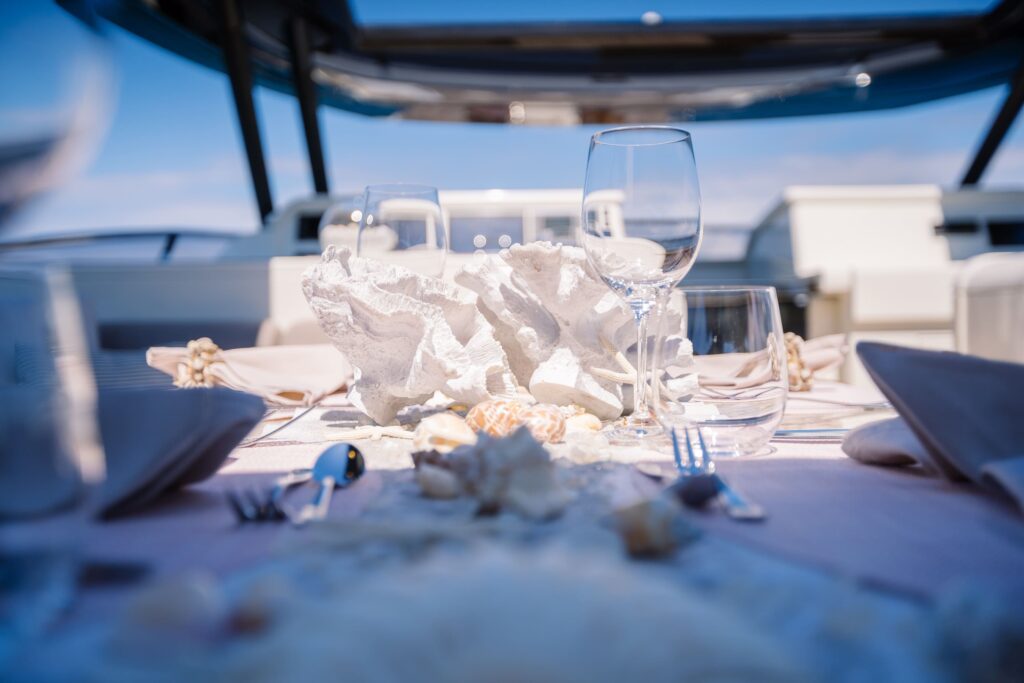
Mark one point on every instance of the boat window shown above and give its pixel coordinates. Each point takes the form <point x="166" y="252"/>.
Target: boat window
<point x="309" y="226"/>
<point x="486" y="233"/>
<point x="557" y="229"/>
<point x="956" y="228"/>
<point x="410" y="233"/>
<point x="1006" y="233"/>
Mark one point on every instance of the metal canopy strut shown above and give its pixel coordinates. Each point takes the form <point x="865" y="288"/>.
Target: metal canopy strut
<point x="305" y="93"/>
<point x="998" y="130"/>
<point x="236" y="59"/>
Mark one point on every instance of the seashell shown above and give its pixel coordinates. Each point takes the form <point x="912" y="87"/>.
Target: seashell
<point x="497" y="418"/>
<point x="190" y="606"/>
<point x="408" y="336"/>
<point x="437" y="482"/>
<point x="261" y="605"/>
<point x="514" y="472"/>
<point x="442" y="432"/>
<point x="544" y="421"/>
<point x="571" y="410"/>
<point x="584" y="422"/>
<point x="649" y="528"/>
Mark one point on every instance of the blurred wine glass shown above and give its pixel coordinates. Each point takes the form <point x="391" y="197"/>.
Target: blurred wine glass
<point x="641" y="230"/>
<point x="56" y="91"/>
<point x="403" y="225"/>
<point x="339" y="224"/>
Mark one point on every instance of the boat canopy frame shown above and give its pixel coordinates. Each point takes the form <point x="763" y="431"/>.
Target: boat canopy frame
<point x="582" y="72"/>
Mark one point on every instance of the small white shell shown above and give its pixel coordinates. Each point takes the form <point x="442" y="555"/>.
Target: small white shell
<point x="442" y="432"/>
<point x="583" y="423"/>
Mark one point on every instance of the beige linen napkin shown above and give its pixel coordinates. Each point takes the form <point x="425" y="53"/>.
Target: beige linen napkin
<point x="745" y="370"/>
<point x="285" y="375"/>
<point x="822" y="353"/>
<point x="966" y="412"/>
<point x="735" y="370"/>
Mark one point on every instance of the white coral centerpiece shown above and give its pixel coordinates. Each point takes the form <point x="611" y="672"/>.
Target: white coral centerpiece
<point x="536" y="316"/>
<point x="554" y="317"/>
<point x="407" y="335"/>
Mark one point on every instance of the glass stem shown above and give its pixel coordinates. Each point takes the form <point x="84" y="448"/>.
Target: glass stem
<point x="640" y="409"/>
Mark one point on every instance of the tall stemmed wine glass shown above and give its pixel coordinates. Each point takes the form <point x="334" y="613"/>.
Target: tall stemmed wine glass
<point x="641" y="230"/>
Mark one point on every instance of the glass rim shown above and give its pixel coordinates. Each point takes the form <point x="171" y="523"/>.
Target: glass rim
<point x="728" y="289"/>
<point x="409" y="189"/>
<point x="680" y="136"/>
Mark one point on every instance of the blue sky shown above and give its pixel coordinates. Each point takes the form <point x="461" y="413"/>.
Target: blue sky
<point x="173" y="156"/>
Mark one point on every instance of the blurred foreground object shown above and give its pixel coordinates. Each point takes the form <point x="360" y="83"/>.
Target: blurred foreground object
<point x="51" y="461"/>
<point x="57" y="91"/>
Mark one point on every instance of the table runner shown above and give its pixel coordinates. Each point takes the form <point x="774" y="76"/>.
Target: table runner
<point x="896" y="529"/>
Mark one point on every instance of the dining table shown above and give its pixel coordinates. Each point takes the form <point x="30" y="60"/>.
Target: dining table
<point x="857" y="572"/>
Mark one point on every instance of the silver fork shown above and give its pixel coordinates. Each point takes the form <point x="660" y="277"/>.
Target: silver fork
<point x="736" y="505"/>
<point x="250" y="506"/>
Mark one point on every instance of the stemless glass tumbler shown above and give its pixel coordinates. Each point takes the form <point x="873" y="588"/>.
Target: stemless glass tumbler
<point x="641" y="229"/>
<point x="404" y="225"/>
<point x="721" y="366"/>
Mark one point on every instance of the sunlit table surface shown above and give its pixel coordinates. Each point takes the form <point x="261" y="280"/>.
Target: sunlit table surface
<point x="866" y="573"/>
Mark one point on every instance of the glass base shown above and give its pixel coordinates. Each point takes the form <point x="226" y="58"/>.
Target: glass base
<point x="636" y="430"/>
<point x="733" y="454"/>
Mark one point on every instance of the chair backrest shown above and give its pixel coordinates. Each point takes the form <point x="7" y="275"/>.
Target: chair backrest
<point x="290" y="319"/>
<point x="989" y="318"/>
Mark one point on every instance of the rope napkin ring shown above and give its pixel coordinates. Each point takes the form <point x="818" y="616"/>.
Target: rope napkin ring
<point x="192" y="372"/>
<point x="801" y="377"/>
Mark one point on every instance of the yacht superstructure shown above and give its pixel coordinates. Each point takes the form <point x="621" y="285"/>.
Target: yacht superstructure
<point x="890" y="263"/>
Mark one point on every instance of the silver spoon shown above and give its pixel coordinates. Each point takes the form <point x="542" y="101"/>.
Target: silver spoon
<point x="337" y="467"/>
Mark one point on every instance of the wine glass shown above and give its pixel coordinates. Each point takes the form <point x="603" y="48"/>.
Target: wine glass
<point x="403" y="225"/>
<point x="339" y="224"/>
<point x="721" y="366"/>
<point x="641" y="230"/>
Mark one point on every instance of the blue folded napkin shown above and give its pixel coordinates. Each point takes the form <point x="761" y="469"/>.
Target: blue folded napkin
<point x="961" y="416"/>
<point x="155" y="441"/>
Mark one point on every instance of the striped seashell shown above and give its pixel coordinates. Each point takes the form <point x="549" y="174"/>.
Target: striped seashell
<point x="498" y="417"/>
<point x="545" y="422"/>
